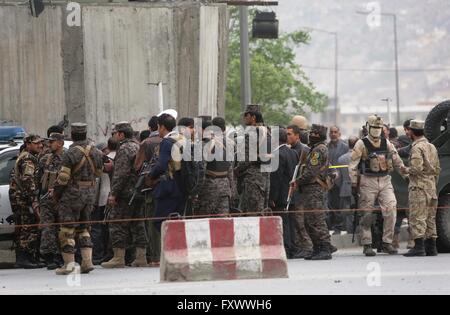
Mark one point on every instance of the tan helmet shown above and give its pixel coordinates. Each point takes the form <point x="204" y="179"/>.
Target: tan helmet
<point x="375" y="127"/>
<point x="300" y="121"/>
<point x="375" y="121"/>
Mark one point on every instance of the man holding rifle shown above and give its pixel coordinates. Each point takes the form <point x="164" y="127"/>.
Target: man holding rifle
<point x="312" y="176"/>
<point x="122" y="187"/>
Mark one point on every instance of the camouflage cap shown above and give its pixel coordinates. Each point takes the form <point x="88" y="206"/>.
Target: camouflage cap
<point x="78" y="128"/>
<point x="33" y="139"/>
<point x="56" y="137"/>
<point x="123" y="126"/>
<point x="320" y="129"/>
<point x="417" y="125"/>
<point x="252" y="108"/>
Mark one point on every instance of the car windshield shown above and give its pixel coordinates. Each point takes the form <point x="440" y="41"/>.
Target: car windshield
<point x="7" y="163"/>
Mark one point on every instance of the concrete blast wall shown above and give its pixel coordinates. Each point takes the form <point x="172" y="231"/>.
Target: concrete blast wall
<point x="102" y="71"/>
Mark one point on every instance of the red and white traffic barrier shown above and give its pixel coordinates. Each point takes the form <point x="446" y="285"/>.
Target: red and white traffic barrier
<point x="223" y="249"/>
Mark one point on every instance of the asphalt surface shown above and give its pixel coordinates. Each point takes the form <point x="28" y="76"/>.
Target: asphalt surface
<point x="348" y="273"/>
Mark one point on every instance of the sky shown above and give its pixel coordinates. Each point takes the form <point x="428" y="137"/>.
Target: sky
<point x="366" y="49"/>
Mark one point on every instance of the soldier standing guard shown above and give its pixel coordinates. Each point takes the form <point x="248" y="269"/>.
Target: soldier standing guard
<point x="423" y="173"/>
<point x="25" y="204"/>
<point x="74" y="193"/>
<point x="123" y="183"/>
<point x="252" y="181"/>
<point x="375" y="158"/>
<point x="312" y="194"/>
<point x="49" y="166"/>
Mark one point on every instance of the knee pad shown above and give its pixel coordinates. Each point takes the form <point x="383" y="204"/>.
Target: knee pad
<point x="67" y="239"/>
<point x="84" y="238"/>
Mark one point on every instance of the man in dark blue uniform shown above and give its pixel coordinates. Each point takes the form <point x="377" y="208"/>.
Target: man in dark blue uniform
<point x="166" y="173"/>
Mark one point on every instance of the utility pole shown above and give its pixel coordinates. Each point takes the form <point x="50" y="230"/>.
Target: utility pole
<point x="389" y="112"/>
<point x="336" y="80"/>
<point x="246" y="88"/>
<point x="336" y="69"/>
<point x="397" y="78"/>
<point x="246" y="92"/>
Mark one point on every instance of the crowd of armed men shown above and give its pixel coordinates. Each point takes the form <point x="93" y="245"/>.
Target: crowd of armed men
<point x="104" y="204"/>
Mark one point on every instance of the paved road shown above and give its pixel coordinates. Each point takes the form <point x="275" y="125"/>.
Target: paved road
<point x="348" y="273"/>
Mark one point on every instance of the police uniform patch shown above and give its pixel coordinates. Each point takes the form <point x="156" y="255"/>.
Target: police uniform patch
<point x="315" y="158"/>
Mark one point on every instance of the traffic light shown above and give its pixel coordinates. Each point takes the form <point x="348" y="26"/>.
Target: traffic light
<point x="265" y="25"/>
<point x="37" y="7"/>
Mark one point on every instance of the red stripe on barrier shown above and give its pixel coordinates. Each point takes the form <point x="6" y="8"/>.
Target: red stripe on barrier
<point x="222" y="232"/>
<point x="175" y="236"/>
<point x="222" y="248"/>
<point x="268" y="234"/>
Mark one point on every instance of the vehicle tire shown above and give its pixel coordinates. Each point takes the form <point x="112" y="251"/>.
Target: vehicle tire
<point x="438" y="118"/>
<point x="443" y="224"/>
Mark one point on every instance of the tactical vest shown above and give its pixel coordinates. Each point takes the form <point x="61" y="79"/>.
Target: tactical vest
<point x="176" y="155"/>
<point x="218" y="169"/>
<point x="77" y="170"/>
<point x="378" y="162"/>
<point x="49" y="177"/>
<point x="17" y="174"/>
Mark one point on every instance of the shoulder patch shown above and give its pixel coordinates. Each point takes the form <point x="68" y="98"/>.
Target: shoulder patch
<point x="315" y="158"/>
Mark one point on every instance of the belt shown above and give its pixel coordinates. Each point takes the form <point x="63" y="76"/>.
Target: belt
<point x="85" y="184"/>
<point x="216" y="174"/>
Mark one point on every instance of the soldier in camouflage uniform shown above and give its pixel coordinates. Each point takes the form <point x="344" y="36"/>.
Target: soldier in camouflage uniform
<point x="215" y="189"/>
<point x="423" y="173"/>
<point x="74" y="193"/>
<point x="252" y="181"/>
<point x="373" y="159"/>
<point x="25" y="205"/>
<point x="123" y="183"/>
<point x="49" y="166"/>
<point x="313" y="191"/>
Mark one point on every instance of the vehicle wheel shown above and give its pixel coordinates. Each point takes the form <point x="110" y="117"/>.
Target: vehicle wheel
<point x="443" y="224"/>
<point x="437" y="120"/>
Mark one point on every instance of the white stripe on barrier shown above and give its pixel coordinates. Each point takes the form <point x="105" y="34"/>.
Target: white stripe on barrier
<point x="246" y="244"/>
<point x="198" y="241"/>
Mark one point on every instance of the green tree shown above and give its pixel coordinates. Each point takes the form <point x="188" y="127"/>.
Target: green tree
<point x="279" y="84"/>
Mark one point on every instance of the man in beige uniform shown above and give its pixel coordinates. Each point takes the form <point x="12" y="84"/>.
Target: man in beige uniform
<point x="423" y="173"/>
<point x="374" y="158"/>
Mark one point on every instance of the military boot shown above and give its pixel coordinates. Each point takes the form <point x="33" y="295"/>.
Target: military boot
<point x="368" y="251"/>
<point x="23" y="261"/>
<point x="315" y="252"/>
<point x="430" y="247"/>
<point x="389" y="249"/>
<point x="50" y="262"/>
<point x="324" y="253"/>
<point x="86" y="263"/>
<point x="141" y="258"/>
<point x="69" y="265"/>
<point x="418" y="250"/>
<point x="36" y="259"/>
<point x="302" y="254"/>
<point x="118" y="261"/>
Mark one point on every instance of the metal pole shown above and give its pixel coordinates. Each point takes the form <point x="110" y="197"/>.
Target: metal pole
<point x="389" y="112"/>
<point x="336" y="78"/>
<point x="397" y="80"/>
<point x="160" y="96"/>
<point x="246" y="93"/>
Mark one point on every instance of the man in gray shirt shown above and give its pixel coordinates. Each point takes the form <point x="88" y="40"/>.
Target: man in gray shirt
<point x="344" y="183"/>
<point x="337" y="148"/>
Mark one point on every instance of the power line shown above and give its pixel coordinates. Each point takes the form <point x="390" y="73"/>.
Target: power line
<point x="375" y="70"/>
